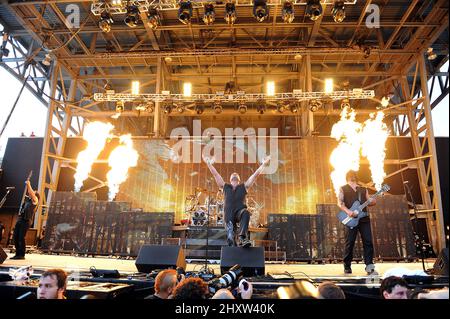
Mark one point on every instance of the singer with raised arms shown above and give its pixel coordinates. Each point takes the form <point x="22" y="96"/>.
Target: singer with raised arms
<point x="235" y="208"/>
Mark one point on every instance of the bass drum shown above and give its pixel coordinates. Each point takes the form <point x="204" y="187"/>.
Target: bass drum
<point x="199" y="218"/>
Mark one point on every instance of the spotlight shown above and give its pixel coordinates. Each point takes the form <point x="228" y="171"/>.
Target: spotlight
<point x="270" y="87"/>
<point x="288" y="12"/>
<point x="338" y="12"/>
<point x="298" y="57"/>
<point x="294" y="108"/>
<point x="132" y="17"/>
<point x="199" y="108"/>
<point x="187" y="89"/>
<point x="150" y="107"/>
<point x="313" y="9"/>
<point x="329" y="87"/>
<point x="260" y="10"/>
<point x="281" y="108"/>
<point x="105" y="22"/>
<point x="230" y="12"/>
<point x="167" y="108"/>
<point x="385" y="101"/>
<point x="431" y="55"/>
<point x="260" y="107"/>
<point x="210" y="14"/>
<point x="217" y="108"/>
<point x="116" y="3"/>
<point x="135" y="87"/>
<point x="120" y="106"/>
<point x="180" y="108"/>
<point x="185" y="12"/>
<point x="48" y="60"/>
<point x="153" y="19"/>
<point x="168" y="59"/>
<point x="314" y="105"/>
<point x="242" y="108"/>
<point x="345" y="103"/>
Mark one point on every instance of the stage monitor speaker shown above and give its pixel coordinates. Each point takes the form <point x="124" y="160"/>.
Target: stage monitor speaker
<point x="153" y="257"/>
<point x="441" y="265"/>
<point x="250" y="259"/>
<point x="3" y="255"/>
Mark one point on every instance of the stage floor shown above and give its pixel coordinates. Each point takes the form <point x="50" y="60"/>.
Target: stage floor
<point x="76" y="263"/>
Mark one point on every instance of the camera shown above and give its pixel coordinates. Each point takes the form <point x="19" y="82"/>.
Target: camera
<point x="228" y="280"/>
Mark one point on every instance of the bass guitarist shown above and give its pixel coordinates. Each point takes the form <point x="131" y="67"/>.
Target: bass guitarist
<point x="348" y="194"/>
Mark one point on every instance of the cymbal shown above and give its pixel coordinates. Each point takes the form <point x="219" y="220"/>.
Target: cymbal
<point x="199" y="189"/>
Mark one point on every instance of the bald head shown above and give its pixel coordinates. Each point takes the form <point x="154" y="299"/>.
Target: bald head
<point x="223" y="294"/>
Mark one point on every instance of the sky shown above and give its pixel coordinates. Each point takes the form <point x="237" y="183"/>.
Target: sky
<point x="30" y="114"/>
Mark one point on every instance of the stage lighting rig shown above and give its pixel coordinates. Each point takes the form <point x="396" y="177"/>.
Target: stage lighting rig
<point x="242" y="108"/>
<point x="314" y="9"/>
<point x="105" y="22"/>
<point x="217" y="107"/>
<point x="180" y="108"/>
<point x="153" y="19"/>
<point x="132" y="18"/>
<point x="230" y="12"/>
<point x="281" y="108"/>
<point x="338" y="11"/>
<point x="294" y="108"/>
<point x="288" y="12"/>
<point x="260" y="10"/>
<point x="314" y="105"/>
<point x="210" y="14"/>
<point x="167" y="107"/>
<point x="185" y="11"/>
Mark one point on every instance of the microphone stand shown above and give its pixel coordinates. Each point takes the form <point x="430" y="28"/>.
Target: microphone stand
<point x="207" y="230"/>
<point x="4" y="198"/>
<point x="417" y="240"/>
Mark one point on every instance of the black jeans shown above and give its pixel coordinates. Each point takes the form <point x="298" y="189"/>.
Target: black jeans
<point x="242" y="217"/>
<point x="350" y="238"/>
<point x="20" y="230"/>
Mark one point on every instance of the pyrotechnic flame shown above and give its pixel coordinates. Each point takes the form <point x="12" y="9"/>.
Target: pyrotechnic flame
<point x="121" y="159"/>
<point x="96" y="134"/>
<point x="345" y="156"/>
<point x="374" y="136"/>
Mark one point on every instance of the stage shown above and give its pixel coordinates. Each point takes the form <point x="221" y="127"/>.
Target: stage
<point x="74" y="263"/>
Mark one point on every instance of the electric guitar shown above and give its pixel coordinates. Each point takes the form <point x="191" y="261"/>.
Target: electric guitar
<point x="352" y="222"/>
<point x="24" y="193"/>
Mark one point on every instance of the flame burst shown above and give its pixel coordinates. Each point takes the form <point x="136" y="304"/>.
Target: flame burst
<point x="345" y="156"/>
<point x="374" y="136"/>
<point x="121" y="159"/>
<point x="96" y="134"/>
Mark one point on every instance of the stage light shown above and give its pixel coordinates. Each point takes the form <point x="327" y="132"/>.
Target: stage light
<point x="180" y="108"/>
<point x="294" y="108"/>
<point x="210" y="14"/>
<point x="281" y="108"/>
<point x="217" y="108"/>
<point x="260" y="10"/>
<point x="329" y="87"/>
<point x="48" y="60"/>
<point x="298" y="57"/>
<point x="385" y="101"/>
<point x="314" y="9"/>
<point x="187" y="89"/>
<point x="230" y="12"/>
<point x="270" y="88"/>
<point x="338" y="11"/>
<point x="431" y="55"/>
<point x="150" y="107"/>
<point x="168" y="59"/>
<point x="314" y="105"/>
<point x="185" y="12"/>
<point x="288" y="12"/>
<point x="153" y="19"/>
<point x="105" y="22"/>
<point x="120" y="107"/>
<point x="135" y="87"/>
<point x="345" y="103"/>
<point x="116" y="3"/>
<point x="199" y="108"/>
<point x="242" y="108"/>
<point x="132" y="18"/>
<point x="107" y="87"/>
<point x="167" y="108"/>
<point x="366" y="50"/>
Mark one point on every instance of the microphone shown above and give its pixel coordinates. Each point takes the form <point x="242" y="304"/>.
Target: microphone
<point x="10" y="187"/>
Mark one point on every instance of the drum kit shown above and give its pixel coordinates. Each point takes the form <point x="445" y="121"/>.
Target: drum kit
<point x="196" y="208"/>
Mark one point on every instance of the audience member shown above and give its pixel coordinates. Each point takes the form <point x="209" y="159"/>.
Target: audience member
<point x="434" y="294"/>
<point x="329" y="290"/>
<point x="394" y="288"/>
<point x="191" y="288"/>
<point x="165" y="283"/>
<point x="52" y="284"/>
<point x="223" y="294"/>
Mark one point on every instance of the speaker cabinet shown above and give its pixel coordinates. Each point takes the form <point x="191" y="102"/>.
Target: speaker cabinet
<point x="441" y="265"/>
<point x="153" y="257"/>
<point x="250" y="259"/>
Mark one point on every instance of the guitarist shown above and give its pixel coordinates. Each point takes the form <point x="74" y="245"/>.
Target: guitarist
<point x="25" y="218"/>
<point x="348" y="194"/>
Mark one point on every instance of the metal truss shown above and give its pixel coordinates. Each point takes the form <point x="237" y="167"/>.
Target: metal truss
<point x="99" y="6"/>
